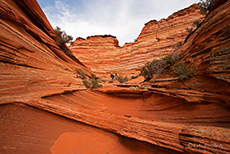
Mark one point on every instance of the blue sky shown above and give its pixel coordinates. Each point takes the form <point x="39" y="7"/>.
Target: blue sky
<point x="121" y="18"/>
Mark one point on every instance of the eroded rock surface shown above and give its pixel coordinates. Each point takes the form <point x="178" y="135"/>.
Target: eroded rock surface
<point x="31" y="63"/>
<point x="207" y="52"/>
<point x="157" y="38"/>
<point x="43" y="100"/>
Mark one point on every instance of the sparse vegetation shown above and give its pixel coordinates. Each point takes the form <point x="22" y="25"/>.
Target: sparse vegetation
<point x="205" y="5"/>
<point x="61" y="39"/>
<point x="92" y="83"/>
<point x="87" y="83"/>
<point x="159" y="66"/>
<point x="94" y="76"/>
<point x="196" y="23"/>
<point x="189" y="30"/>
<point x="178" y="45"/>
<point x="182" y="71"/>
<point x="95" y="83"/>
<point x="170" y="59"/>
<point x="150" y="69"/>
<point x="81" y="73"/>
<point x="122" y="79"/>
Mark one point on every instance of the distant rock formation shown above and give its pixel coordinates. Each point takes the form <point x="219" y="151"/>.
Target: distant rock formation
<point x="156" y="39"/>
<point x="44" y="108"/>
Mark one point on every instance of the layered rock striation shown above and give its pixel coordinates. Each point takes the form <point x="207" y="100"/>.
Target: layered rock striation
<point x="156" y="39"/>
<point x="207" y="52"/>
<point x="31" y="63"/>
<point x="44" y="108"/>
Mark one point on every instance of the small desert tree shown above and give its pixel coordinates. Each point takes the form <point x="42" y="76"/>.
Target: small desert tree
<point x="61" y="39"/>
<point x="157" y="67"/>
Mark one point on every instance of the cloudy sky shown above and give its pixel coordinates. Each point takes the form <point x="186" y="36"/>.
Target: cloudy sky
<point x="121" y="18"/>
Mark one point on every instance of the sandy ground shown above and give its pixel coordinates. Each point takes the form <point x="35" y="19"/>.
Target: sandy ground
<point x="26" y="129"/>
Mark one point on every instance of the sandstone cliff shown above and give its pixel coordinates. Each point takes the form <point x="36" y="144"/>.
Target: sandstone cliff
<point x="156" y="39"/>
<point x="207" y="51"/>
<point x="37" y="77"/>
<point x="32" y="64"/>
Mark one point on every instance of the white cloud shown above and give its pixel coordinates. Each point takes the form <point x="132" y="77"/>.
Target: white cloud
<point x="121" y="18"/>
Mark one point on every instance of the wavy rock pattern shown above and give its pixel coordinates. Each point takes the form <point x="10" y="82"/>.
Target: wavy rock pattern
<point x="31" y="63"/>
<point x="157" y="38"/>
<point x="37" y="77"/>
<point x="206" y="50"/>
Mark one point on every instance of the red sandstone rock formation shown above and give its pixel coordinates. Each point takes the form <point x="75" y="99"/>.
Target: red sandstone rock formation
<point x="207" y="51"/>
<point x="32" y="65"/>
<point x="156" y="39"/>
<point x="37" y="77"/>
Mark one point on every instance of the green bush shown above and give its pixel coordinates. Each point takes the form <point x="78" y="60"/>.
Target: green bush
<point x="92" y="83"/>
<point x="145" y="71"/>
<point x="122" y="79"/>
<point x="81" y="73"/>
<point x="94" y="76"/>
<point x="152" y="68"/>
<point x="95" y="83"/>
<point x="62" y="37"/>
<point x="182" y="70"/>
<point x="171" y="59"/>
<point x="87" y="83"/>
<point x="196" y="23"/>
<point x="159" y="66"/>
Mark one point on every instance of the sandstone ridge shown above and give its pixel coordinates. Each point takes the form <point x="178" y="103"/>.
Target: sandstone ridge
<point x="46" y="109"/>
<point x="156" y="39"/>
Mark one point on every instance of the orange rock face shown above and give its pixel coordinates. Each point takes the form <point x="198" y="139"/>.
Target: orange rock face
<point x="32" y="65"/>
<point x="157" y="38"/>
<point x="207" y="51"/>
<point x="44" y="108"/>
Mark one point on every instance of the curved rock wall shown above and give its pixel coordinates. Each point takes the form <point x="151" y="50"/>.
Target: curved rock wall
<point x="35" y="74"/>
<point x="208" y="48"/>
<point x="156" y="39"/>
<point x="31" y="63"/>
<point x="207" y="52"/>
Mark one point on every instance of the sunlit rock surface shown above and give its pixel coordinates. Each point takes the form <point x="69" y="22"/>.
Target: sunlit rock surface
<point x="158" y="38"/>
<point x="44" y="108"/>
